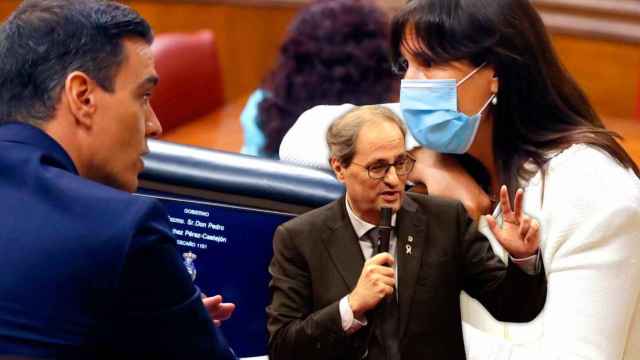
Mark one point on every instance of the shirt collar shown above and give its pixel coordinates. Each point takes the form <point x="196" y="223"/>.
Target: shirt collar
<point x="360" y="226"/>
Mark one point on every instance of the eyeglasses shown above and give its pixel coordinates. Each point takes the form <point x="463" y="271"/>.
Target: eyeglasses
<point x="378" y="171"/>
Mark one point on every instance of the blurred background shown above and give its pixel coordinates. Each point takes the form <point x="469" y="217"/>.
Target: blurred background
<point x="598" y="41"/>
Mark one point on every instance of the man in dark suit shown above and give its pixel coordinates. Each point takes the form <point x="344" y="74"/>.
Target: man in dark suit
<point x="333" y="297"/>
<point x="87" y="270"/>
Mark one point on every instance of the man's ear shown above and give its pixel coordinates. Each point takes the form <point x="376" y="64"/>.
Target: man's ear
<point x="338" y="169"/>
<point x="80" y="92"/>
<point x="495" y="83"/>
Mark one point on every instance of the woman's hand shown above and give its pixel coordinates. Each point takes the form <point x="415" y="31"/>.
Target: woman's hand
<point x="519" y="234"/>
<point x="444" y="176"/>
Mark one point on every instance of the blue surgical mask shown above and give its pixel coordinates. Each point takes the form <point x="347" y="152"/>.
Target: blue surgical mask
<point x="430" y="109"/>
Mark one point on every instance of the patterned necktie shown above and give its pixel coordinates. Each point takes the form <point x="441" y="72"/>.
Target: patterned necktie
<point x="384" y="342"/>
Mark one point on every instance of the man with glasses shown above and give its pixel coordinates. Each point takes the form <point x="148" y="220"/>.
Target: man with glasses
<point x="334" y="297"/>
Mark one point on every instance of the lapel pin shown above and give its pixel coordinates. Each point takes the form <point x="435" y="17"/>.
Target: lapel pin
<point x="410" y="238"/>
<point x="408" y="248"/>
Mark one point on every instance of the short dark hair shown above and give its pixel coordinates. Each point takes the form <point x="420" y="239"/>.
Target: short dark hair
<point x="541" y="109"/>
<point x="45" y="40"/>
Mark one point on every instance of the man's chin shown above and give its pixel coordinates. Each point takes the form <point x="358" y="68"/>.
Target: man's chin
<point x="395" y="205"/>
<point x="128" y="185"/>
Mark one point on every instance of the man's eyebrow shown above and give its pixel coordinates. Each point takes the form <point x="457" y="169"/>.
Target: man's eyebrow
<point x="377" y="162"/>
<point x="150" y="81"/>
<point x="384" y="161"/>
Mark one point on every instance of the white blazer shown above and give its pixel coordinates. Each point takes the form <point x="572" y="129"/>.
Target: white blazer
<point x="590" y="241"/>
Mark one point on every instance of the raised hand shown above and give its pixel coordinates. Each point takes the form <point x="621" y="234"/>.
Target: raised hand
<point x="218" y="311"/>
<point x="519" y="234"/>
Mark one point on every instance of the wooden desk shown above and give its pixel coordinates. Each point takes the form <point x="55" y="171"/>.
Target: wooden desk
<point x="629" y="128"/>
<point x="220" y="130"/>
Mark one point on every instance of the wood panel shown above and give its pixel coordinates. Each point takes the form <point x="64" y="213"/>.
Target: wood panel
<point x="6" y="7"/>
<point x="609" y="72"/>
<point x="249" y="35"/>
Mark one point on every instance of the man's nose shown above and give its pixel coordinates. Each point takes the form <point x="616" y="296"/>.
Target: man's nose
<point x="153" y="126"/>
<point x="391" y="178"/>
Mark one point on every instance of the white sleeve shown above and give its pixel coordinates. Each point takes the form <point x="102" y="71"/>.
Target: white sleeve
<point x="591" y="249"/>
<point x="305" y="143"/>
<point x="349" y="322"/>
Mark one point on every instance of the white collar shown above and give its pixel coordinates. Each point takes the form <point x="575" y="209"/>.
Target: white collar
<point x="360" y="226"/>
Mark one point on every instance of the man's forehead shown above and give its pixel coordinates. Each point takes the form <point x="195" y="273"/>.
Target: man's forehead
<point x="138" y="64"/>
<point x="379" y="140"/>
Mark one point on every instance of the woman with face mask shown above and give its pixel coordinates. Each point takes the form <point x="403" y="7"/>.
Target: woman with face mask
<point x="482" y="79"/>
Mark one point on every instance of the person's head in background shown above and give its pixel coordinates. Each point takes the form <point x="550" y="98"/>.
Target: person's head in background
<point x="538" y="107"/>
<point x="82" y="71"/>
<point x="336" y="52"/>
<point x="363" y="144"/>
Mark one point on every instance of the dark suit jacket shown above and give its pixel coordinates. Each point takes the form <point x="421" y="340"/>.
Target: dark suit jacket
<point x="317" y="261"/>
<point x="87" y="271"/>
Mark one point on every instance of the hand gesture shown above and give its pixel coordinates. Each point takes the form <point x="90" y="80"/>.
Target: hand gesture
<point x="218" y="311"/>
<point x="376" y="281"/>
<point x="519" y="234"/>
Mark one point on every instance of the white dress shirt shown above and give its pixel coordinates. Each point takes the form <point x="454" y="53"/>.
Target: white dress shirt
<point x="349" y="323"/>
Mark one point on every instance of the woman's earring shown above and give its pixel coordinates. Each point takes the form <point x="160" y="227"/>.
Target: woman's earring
<point x="494" y="101"/>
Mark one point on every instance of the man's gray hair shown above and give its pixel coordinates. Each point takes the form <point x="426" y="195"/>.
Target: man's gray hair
<point x="343" y="132"/>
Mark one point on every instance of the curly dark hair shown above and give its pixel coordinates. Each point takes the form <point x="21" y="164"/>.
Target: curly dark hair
<point x="336" y="51"/>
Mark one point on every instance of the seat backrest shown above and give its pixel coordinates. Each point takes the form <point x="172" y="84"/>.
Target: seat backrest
<point x="190" y="77"/>
<point x="237" y="179"/>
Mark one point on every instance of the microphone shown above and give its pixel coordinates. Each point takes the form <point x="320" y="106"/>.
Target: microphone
<point x="384" y="229"/>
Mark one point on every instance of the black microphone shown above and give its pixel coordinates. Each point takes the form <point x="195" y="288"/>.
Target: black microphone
<point x="385" y="229"/>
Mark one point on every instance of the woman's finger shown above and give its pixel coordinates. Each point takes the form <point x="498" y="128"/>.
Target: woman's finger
<point x="493" y="225"/>
<point x="532" y="235"/>
<point x="505" y="202"/>
<point x="517" y="204"/>
<point x="525" y="225"/>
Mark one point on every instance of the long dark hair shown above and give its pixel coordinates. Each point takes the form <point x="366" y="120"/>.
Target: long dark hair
<point x="541" y="109"/>
<point x="336" y="51"/>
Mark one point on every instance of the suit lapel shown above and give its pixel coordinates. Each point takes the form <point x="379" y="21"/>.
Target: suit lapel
<point x="342" y="244"/>
<point x="411" y="243"/>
